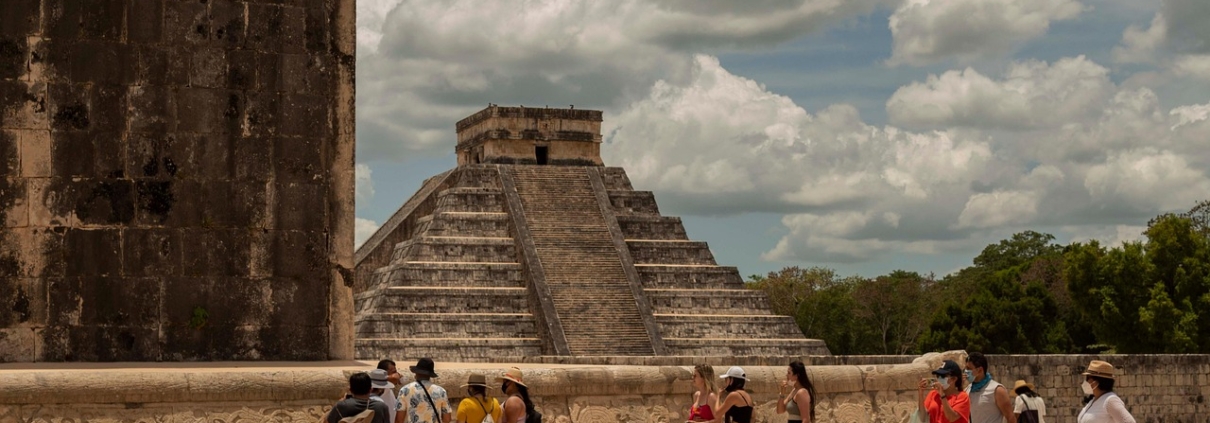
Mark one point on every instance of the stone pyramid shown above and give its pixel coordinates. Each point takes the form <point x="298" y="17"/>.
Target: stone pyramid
<point x="530" y="247"/>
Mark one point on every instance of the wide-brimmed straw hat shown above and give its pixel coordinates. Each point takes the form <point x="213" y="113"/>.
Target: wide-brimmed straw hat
<point x="476" y="379"/>
<point x="512" y="375"/>
<point x="1099" y="368"/>
<point x="1020" y="384"/>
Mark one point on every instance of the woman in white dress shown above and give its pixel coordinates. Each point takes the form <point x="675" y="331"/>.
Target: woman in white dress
<point x="1029" y="403"/>
<point x="1102" y="405"/>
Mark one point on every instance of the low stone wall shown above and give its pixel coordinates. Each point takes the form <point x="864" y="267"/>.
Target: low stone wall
<point x="564" y="393"/>
<point x="1155" y="388"/>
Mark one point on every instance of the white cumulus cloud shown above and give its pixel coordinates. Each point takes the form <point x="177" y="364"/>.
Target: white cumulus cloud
<point x="1031" y="94"/>
<point x="926" y="31"/>
<point x="364" y="180"/>
<point x="363" y="229"/>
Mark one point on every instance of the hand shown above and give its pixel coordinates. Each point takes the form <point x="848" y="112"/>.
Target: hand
<point x="784" y="385"/>
<point x="924" y="384"/>
<point x="937" y="387"/>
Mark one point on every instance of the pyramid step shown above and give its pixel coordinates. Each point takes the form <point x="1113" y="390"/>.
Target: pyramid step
<point x="475" y="224"/>
<point x="740" y="326"/>
<point x="745" y="347"/>
<point x="626" y="203"/>
<point x="615" y="179"/>
<point x="689" y="276"/>
<point x="449" y="349"/>
<point x="652" y="227"/>
<point x="468" y="274"/>
<point x="459" y="249"/>
<point x="707" y="301"/>
<point x="670" y="252"/>
<point x="470" y="200"/>
<point x="407" y="299"/>
<point x="442" y="325"/>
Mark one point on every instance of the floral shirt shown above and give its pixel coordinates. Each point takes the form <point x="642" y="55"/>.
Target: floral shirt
<point x="419" y="410"/>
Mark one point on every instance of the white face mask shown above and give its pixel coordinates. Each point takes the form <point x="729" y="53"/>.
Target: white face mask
<point x="945" y="383"/>
<point x="1087" y="387"/>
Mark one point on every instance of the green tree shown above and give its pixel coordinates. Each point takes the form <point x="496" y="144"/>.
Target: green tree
<point x="1147" y="297"/>
<point x="789" y="287"/>
<point x="896" y="308"/>
<point x="830" y="315"/>
<point x="1005" y="302"/>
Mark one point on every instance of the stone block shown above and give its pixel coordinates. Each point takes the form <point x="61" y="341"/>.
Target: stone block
<point x="18" y="345"/>
<point x="103" y="19"/>
<point x="35" y="148"/>
<point x="207" y="110"/>
<point x="62" y="19"/>
<point x="93" y="252"/>
<point x="186" y="23"/>
<point x="69" y="107"/>
<point x="208" y="68"/>
<point x="14" y="206"/>
<point x="24" y="105"/>
<point x="103" y="201"/>
<point x="151" y="252"/>
<point x="100" y="343"/>
<point x="157" y="203"/>
<point x="280" y="30"/>
<point x="227" y="20"/>
<point x="19" y="18"/>
<point x="299" y="206"/>
<point x="145" y="21"/>
<point x="241" y="70"/>
<point x="304" y="115"/>
<point x="104" y="301"/>
<point x="305" y="73"/>
<point x="150" y="111"/>
<point x="253" y="158"/>
<point x="22" y="301"/>
<point x="14" y="57"/>
<point x="216" y="252"/>
<point x="263" y="114"/>
<point x="10" y="153"/>
<point x="300" y="254"/>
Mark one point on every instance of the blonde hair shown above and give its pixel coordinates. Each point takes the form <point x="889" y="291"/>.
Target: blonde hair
<point x="707" y="374"/>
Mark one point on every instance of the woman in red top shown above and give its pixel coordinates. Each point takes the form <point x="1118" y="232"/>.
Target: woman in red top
<point x="704" y="398"/>
<point x="946" y="402"/>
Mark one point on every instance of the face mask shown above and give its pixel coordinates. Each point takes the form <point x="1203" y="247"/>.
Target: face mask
<point x="970" y="375"/>
<point x="945" y="383"/>
<point x="1087" y="387"/>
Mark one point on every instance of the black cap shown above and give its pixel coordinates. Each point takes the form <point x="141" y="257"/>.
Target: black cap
<point x="948" y="368"/>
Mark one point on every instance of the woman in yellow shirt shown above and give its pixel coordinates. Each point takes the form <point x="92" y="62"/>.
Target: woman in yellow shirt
<point x="477" y="407"/>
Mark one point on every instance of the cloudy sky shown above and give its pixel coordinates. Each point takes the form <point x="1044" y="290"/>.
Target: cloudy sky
<point x="861" y="135"/>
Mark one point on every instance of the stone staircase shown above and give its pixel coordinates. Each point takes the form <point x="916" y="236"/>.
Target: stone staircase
<point x="590" y="290"/>
<point x="453" y="288"/>
<point x="701" y="308"/>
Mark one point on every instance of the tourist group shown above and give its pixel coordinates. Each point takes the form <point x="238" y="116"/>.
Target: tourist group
<point x="951" y="395"/>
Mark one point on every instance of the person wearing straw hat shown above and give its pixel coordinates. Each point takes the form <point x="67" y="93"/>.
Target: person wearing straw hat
<point x="477" y="407"/>
<point x="1028" y="406"/>
<point x="423" y="401"/>
<point x="518" y="408"/>
<point x="1103" y="405"/>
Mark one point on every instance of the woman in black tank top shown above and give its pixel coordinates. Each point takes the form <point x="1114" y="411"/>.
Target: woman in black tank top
<point x="735" y="403"/>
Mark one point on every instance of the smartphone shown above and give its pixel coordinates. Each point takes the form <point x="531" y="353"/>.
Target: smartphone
<point x="932" y="381"/>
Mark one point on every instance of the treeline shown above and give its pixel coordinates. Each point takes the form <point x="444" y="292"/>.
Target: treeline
<point x="1022" y="295"/>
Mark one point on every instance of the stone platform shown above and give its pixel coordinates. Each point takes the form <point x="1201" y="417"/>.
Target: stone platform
<point x="302" y="392"/>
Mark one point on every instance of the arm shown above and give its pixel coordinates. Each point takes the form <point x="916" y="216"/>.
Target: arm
<point x="460" y="416"/>
<point x="783" y="399"/>
<point x="1117" y="410"/>
<point x="960" y="411"/>
<point x="513" y="407"/>
<point x="803" y="400"/>
<point x="920" y="395"/>
<point x="721" y="413"/>
<point x="1005" y="405"/>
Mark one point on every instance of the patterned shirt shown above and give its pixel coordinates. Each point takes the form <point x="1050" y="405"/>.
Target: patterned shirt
<point x="419" y="409"/>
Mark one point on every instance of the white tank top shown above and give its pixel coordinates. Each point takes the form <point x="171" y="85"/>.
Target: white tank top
<point x="983" y="404"/>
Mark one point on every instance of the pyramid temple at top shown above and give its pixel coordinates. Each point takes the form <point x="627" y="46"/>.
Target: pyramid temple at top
<point x="531" y="247"/>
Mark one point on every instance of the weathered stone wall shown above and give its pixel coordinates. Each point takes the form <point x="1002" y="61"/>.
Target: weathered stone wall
<point x="1156" y="388"/>
<point x="176" y="179"/>
<point x="588" y="394"/>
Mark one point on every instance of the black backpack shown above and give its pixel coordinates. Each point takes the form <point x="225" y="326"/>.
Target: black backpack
<point x="1028" y="415"/>
<point x="533" y="417"/>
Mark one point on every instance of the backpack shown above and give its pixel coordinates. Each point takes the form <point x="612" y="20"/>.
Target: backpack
<point x="533" y="417"/>
<point x="487" y="415"/>
<point x="1028" y="415"/>
<point x="362" y="417"/>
